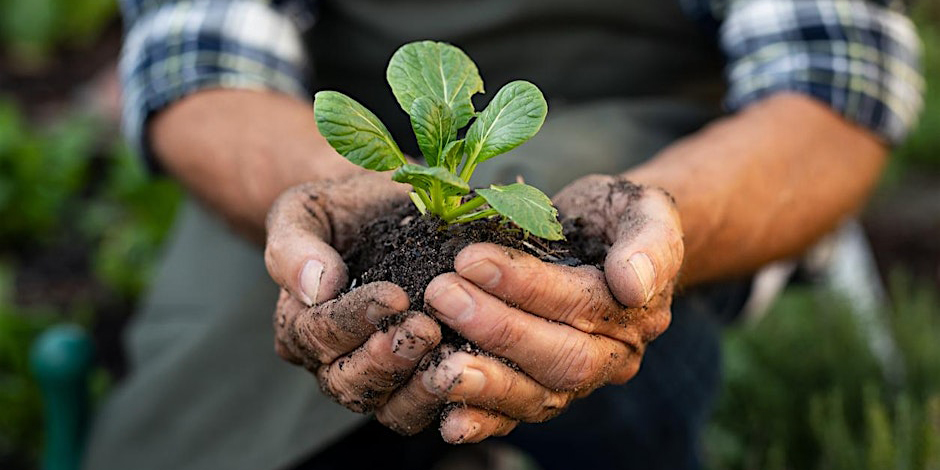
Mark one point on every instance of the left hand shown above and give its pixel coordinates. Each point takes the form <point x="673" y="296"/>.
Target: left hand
<point x="569" y="330"/>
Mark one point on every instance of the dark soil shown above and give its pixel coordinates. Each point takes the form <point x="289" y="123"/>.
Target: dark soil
<point x="410" y="250"/>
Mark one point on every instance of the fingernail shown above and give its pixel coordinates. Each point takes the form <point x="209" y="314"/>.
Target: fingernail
<point x="453" y="303"/>
<point x="471" y="382"/>
<point x="460" y="430"/>
<point x="483" y="273"/>
<point x="643" y="268"/>
<point x="407" y="345"/>
<point x="375" y="313"/>
<point x="310" y="281"/>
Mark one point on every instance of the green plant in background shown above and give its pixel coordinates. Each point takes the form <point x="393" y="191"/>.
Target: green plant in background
<point x="70" y="187"/>
<point x="434" y="83"/>
<point x="31" y="30"/>
<point x="803" y="391"/>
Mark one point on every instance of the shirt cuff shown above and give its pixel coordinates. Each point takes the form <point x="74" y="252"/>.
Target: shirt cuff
<point x="859" y="58"/>
<point x="182" y="47"/>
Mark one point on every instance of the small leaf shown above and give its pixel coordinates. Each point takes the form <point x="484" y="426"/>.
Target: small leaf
<point x="428" y="68"/>
<point x="527" y="207"/>
<point x="513" y="117"/>
<point x="433" y="123"/>
<point x="453" y="155"/>
<point x="416" y="199"/>
<point x="355" y="132"/>
<point x="424" y="177"/>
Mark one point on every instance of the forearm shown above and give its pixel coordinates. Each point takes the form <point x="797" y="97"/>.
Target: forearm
<point x="764" y="183"/>
<point x="238" y="150"/>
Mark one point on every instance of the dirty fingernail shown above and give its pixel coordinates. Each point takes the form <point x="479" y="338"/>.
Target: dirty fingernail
<point x="483" y="273"/>
<point x="460" y="430"/>
<point x="453" y="303"/>
<point x="471" y="382"/>
<point x="645" y="273"/>
<point x="310" y="281"/>
<point x="407" y="345"/>
<point x="375" y="313"/>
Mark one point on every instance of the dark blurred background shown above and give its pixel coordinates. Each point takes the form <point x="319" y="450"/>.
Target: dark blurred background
<point x="809" y="382"/>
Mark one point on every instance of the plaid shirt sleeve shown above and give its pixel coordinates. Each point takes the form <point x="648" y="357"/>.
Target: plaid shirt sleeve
<point x="174" y="48"/>
<point x="862" y="58"/>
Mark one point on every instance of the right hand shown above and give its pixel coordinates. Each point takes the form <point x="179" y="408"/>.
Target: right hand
<point x="341" y="339"/>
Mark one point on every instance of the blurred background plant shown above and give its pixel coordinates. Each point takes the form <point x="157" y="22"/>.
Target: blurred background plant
<point x="82" y="223"/>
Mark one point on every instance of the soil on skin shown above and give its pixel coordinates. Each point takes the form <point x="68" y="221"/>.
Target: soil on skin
<point x="409" y="250"/>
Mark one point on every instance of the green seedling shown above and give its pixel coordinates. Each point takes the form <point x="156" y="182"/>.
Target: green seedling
<point x="434" y="83"/>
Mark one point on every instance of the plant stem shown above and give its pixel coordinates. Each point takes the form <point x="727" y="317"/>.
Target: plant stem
<point x="476" y="215"/>
<point x="424" y="198"/>
<point x="464" y="208"/>
<point x="437" y="199"/>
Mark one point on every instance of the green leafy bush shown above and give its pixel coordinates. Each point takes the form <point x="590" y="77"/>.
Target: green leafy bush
<point x="803" y="391"/>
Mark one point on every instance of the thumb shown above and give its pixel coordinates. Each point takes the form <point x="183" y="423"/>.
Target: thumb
<point x="647" y="251"/>
<point x="297" y="253"/>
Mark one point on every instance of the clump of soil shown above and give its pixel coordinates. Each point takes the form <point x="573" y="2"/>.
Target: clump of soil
<point x="410" y="250"/>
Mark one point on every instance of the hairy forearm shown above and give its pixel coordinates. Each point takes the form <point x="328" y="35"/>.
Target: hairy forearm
<point x="238" y="150"/>
<point x="764" y="183"/>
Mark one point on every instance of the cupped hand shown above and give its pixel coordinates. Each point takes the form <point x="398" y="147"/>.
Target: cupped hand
<point x="364" y="344"/>
<point x="565" y="331"/>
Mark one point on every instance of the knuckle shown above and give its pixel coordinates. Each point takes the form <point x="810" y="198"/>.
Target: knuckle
<point x="551" y="406"/>
<point x="305" y="335"/>
<point x="625" y="371"/>
<point x="390" y="419"/>
<point x="501" y="336"/>
<point x="343" y="392"/>
<point x="576" y="366"/>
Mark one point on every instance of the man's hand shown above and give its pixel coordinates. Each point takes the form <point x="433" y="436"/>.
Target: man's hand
<point x="569" y="330"/>
<point x="341" y="340"/>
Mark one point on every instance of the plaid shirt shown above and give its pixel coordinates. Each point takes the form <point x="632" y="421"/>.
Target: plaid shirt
<point x="859" y="57"/>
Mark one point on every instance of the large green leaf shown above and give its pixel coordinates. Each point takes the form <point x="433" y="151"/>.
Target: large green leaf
<point x="429" y="68"/>
<point x="425" y="178"/>
<point x="513" y="117"/>
<point x="355" y="132"/>
<point x="527" y="207"/>
<point x="433" y="123"/>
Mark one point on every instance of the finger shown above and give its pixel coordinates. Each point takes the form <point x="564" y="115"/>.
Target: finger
<point x="556" y="355"/>
<point x="297" y="253"/>
<point x="413" y="407"/>
<point x="486" y="382"/>
<point x="324" y="332"/>
<point x="577" y="296"/>
<point x="468" y="424"/>
<point x="364" y="378"/>
<point x="648" y="249"/>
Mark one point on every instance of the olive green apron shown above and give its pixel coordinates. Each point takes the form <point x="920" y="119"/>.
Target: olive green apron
<point x="206" y="391"/>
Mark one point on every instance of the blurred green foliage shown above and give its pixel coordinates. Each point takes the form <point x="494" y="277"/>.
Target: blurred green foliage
<point x="802" y="389"/>
<point x="31" y="30"/>
<point x="71" y="186"/>
<point x="921" y="150"/>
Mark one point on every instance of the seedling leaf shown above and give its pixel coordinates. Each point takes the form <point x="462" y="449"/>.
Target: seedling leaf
<point x="355" y="132"/>
<point x="424" y="177"/>
<point x="429" y="68"/>
<point x="527" y="207"/>
<point x="453" y="155"/>
<point x="433" y="123"/>
<point x="513" y="117"/>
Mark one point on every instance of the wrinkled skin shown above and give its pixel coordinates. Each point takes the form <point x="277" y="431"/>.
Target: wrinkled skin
<point x="569" y="330"/>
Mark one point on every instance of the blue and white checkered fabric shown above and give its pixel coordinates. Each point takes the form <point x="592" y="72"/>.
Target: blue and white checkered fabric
<point x="860" y="57"/>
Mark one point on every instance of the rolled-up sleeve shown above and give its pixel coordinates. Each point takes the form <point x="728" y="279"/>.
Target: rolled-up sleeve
<point x="861" y="58"/>
<point x="174" y="48"/>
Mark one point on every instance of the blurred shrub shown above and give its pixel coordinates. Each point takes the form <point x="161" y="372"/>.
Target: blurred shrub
<point x="31" y="30"/>
<point x="73" y="188"/>
<point x="803" y="391"/>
